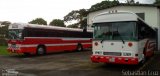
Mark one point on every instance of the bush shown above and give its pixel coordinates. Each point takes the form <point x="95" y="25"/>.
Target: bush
<point x="3" y="42"/>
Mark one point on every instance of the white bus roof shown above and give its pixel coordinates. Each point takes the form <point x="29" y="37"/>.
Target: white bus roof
<point x="115" y="17"/>
<point x="23" y="25"/>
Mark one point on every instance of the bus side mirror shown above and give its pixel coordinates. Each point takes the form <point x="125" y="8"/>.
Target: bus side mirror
<point x="92" y="26"/>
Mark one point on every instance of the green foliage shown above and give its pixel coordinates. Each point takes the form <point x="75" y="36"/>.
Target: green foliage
<point x="4" y="29"/>
<point x="73" y="15"/>
<point x="103" y="5"/>
<point x="77" y="15"/>
<point x="73" y="25"/>
<point x="130" y="1"/>
<point x="57" y="22"/>
<point x="3" y="42"/>
<point x="7" y="23"/>
<point x="3" y="50"/>
<point x="157" y="2"/>
<point x="39" y="21"/>
<point x="4" y="32"/>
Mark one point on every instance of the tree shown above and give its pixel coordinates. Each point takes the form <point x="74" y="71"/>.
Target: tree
<point x="130" y="1"/>
<point x="78" y="15"/>
<point x="4" y="29"/>
<point x="4" y="32"/>
<point x="6" y="23"/>
<point x="157" y="2"/>
<point x="73" y="25"/>
<point x="103" y="4"/>
<point x="39" y="21"/>
<point x="57" y="22"/>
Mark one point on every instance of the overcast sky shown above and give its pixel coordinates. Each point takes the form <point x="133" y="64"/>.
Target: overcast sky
<point x="27" y="10"/>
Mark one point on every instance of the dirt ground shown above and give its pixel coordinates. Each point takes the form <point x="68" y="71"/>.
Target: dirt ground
<point x="69" y="64"/>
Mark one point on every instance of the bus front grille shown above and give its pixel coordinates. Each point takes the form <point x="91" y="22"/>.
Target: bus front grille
<point x="112" y="53"/>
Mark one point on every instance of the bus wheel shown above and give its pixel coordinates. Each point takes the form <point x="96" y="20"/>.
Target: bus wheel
<point x="40" y="50"/>
<point x="27" y="54"/>
<point x="79" y="47"/>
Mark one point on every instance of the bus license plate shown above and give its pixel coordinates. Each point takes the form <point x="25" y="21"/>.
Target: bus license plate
<point x="13" y="45"/>
<point x="112" y="60"/>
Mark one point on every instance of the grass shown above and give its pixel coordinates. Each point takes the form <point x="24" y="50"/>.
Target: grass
<point x="3" y="50"/>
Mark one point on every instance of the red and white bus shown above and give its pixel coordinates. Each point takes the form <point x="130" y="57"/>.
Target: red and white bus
<point x="122" y="38"/>
<point x="41" y="39"/>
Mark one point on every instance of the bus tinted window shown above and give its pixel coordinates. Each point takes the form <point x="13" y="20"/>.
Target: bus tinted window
<point x="115" y="31"/>
<point x="144" y="31"/>
<point x="39" y="32"/>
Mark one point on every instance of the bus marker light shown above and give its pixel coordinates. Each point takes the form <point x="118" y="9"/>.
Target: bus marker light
<point x="102" y="57"/>
<point x="120" y="58"/>
<point x="133" y="59"/>
<point x="126" y="58"/>
<point x="96" y="56"/>
<point x="107" y="57"/>
<point x="130" y="44"/>
<point x="96" y="43"/>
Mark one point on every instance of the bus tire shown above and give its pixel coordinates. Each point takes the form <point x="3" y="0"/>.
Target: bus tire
<point x="27" y="54"/>
<point x="79" y="47"/>
<point x="152" y="53"/>
<point x="41" y="50"/>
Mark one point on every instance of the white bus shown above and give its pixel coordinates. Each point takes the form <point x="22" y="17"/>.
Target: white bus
<point x="122" y="38"/>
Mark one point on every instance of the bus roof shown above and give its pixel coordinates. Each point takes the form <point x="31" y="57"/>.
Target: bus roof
<point x="115" y="17"/>
<point x="23" y="25"/>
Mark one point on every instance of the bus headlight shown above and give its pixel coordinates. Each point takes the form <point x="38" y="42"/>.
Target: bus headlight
<point x="20" y="35"/>
<point x="17" y="46"/>
<point x="97" y="52"/>
<point x="126" y="54"/>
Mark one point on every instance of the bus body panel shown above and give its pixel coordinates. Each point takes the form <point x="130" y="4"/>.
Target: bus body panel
<point x="110" y="46"/>
<point x="114" y="59"/>
<point x="29" y="44"/>
<point x="26" y="38"/>
<point x="121" y="38"/>
<point x="137" y="48"/>
<point x="109" y="50"/>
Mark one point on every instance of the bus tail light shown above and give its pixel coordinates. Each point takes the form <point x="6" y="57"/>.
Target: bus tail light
<point x="130" y="44"/>
<point x="96" y="43"/>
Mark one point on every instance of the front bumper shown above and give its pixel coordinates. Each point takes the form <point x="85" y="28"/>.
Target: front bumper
<point x="114" y="59"/>
<point x="15" y="50"/>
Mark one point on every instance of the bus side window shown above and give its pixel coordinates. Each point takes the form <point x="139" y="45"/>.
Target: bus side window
<point x="141" y="30"/>
<point x="145" y="31"/>
<point x="140" y="36"/>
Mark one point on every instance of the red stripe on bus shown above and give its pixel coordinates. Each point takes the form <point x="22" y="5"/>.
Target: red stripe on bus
<point x="117" y="60"/>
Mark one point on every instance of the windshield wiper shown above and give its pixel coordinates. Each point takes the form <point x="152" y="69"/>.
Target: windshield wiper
<point x="120" y="37"/>
<point x="106" y="34"/>
<point x="102" y="39"/>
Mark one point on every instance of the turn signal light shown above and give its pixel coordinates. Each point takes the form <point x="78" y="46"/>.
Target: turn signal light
<point x="130" y="44"/>
<point x="96" y="43"/>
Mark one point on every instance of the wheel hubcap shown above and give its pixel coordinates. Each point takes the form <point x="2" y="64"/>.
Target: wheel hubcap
<point x="40" y="51"/>
<point x="79" y="48"/>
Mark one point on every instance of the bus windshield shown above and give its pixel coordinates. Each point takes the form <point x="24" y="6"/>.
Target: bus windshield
<point x="15" y="34"/>
<point x="115" y="31"/>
